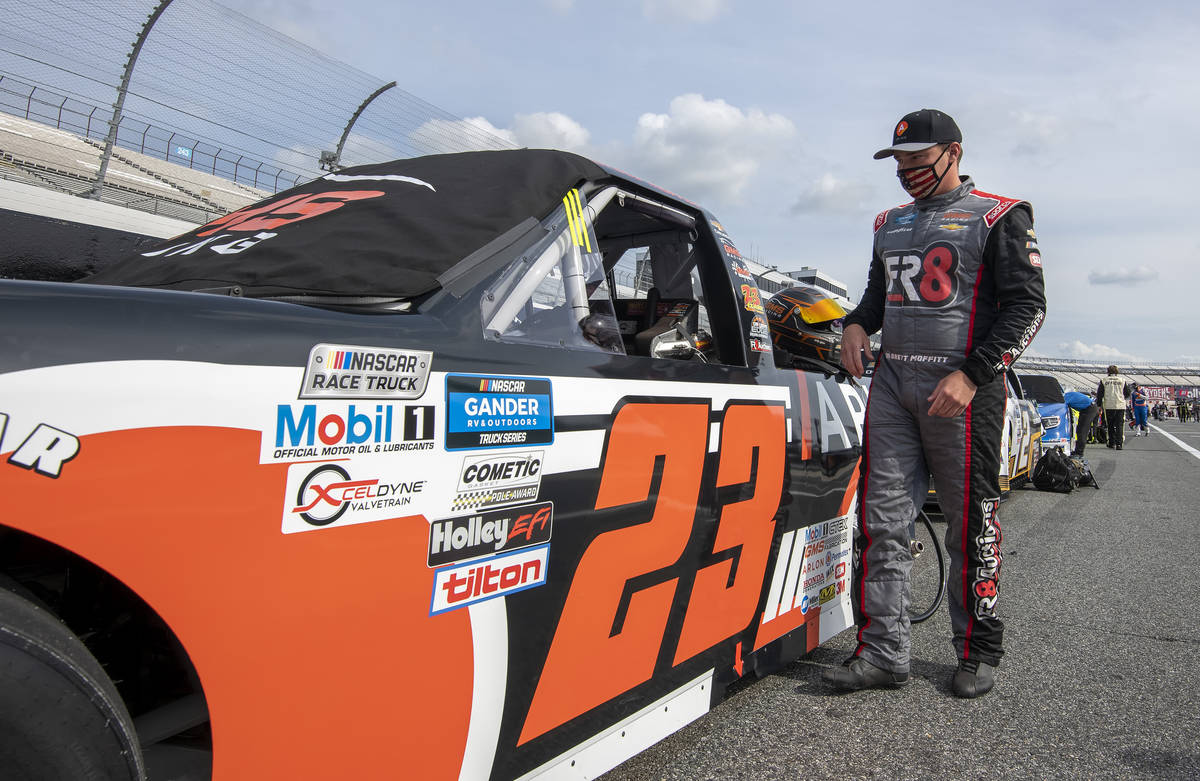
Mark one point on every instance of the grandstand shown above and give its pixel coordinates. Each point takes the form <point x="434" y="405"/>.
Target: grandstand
<point x="1084" y="376"/>
<point x="45" y="156"/>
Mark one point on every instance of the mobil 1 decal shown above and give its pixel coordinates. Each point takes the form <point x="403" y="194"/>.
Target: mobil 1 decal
<point x="328" y="429"/>
<point x="336" y="371"/>
<point x="487" y="412"/>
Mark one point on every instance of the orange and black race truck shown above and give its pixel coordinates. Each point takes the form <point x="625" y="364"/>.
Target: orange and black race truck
<point x="474" y="466"/>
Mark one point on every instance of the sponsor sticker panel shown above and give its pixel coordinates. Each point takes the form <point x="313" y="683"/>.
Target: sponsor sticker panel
<point x="324" y="495"/>
<point x="479" y="580"/>
<point x="316" y="430"/>
<point x="345" y="371"/>
<point x="496" y="412"/>
<point x="496" y="480"/>
<point x="465" y="537"/>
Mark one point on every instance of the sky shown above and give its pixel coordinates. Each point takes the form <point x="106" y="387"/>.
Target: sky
<point x="767" y="113"/>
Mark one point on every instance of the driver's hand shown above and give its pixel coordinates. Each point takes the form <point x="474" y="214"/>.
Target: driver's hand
<point x="951" y="396"/>
<point x="855" y="342"/>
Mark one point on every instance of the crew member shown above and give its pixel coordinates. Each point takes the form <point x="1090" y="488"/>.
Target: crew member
<point x="1088" y="410"/>
<point x="955" y="282"/>
<point x="1111" y="394"/>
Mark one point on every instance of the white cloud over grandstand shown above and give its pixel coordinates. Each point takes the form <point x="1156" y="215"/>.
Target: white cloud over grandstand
<point x="550" y="130"/>
<point x="1094" y="352"/>
<point x="707" y="149"/>
<point x="1123" y="276"/>
<point x="442" y="135"/>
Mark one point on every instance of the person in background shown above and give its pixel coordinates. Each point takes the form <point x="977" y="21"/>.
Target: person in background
<point x="1141" y="410"/>
<point x="1111" y="394"/>
<point x="1088" y="410"/>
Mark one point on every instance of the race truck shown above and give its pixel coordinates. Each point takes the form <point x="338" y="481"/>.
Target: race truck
<point x="473" y="466"/>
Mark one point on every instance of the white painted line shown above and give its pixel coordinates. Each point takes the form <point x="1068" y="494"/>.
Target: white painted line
<point x="1177" y="441"/>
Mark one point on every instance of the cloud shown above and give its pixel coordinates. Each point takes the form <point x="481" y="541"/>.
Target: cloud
<point x="683" y="10"/>
<point x="707" y="149"/>
<point x="832" y="195"/>
<point x="559" y="6"/>
<point x="1095" y="352"/>
<point x="1036" y="131"/>
<point x="460" y="135"/>
<point x="1123" y="276"/>
<point x="550" y="130"/>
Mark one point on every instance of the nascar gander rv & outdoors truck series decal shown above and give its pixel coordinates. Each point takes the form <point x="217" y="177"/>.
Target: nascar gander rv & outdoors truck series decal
<point x="468" y="466"/>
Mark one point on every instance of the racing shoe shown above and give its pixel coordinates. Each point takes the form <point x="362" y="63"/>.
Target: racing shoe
<point x="973" y="678"/>
<point x="857" y="673"/>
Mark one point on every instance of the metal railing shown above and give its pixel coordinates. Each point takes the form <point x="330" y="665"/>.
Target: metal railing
<point x="39" y="104"/>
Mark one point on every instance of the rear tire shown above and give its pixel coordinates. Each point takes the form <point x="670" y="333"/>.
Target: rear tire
<point x="60" y="715"/>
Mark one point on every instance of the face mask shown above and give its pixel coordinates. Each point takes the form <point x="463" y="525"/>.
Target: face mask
<point x="920" y="180"/>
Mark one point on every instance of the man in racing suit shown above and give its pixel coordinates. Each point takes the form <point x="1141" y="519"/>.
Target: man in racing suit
<point x="955" y="282"/>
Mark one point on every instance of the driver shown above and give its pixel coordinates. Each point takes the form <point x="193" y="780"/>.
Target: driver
<point x="955" y="282"/>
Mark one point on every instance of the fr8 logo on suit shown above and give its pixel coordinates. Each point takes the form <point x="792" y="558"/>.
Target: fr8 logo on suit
<point x="928" y="279"/>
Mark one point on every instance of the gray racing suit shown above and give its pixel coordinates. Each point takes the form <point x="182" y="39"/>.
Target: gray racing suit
<point x="956" y="283"/>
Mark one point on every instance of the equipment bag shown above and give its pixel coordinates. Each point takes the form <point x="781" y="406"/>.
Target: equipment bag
<point x="1084" y="469"/>
<point x="1056" y="472"/>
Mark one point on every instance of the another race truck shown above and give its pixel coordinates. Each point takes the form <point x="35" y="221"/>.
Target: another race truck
<point x="1058" y="424"/>
<point x="467" y="466"/>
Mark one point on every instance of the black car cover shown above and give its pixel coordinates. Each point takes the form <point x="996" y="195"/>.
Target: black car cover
<point x="382" y="230"/>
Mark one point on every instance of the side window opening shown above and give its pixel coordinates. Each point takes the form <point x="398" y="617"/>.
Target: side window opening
<point x="616" y="272"/>
<point x="659" y="273"/>
<point x="555" y="294"/>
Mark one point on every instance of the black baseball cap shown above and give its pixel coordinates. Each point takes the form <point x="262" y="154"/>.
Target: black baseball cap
<point x="921" y="130"/>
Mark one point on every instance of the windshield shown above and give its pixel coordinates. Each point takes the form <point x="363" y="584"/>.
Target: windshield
<point x="1042" y="388"/>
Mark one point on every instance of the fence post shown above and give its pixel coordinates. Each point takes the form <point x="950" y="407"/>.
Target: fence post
<point x="29" y="102"/>
<point x="144" y="132"/>
<point x="332" y="161"/>
<point x="256" y="170"/>
<point x="89" y="124"/>
<point x="236" y="163"/>
<point x="60" y="108"/>
<point x="115" y="122"/>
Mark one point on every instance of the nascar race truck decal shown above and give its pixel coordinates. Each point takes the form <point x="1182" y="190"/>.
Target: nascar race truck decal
<point x="472" y="466"/>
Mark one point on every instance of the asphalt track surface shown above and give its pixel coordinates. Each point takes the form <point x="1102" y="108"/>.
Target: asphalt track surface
<point x="1100" y="678"/>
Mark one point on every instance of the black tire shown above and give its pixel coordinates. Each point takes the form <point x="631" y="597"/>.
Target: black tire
<point x="60" y="715"/>
<point x="927" y="582"/>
